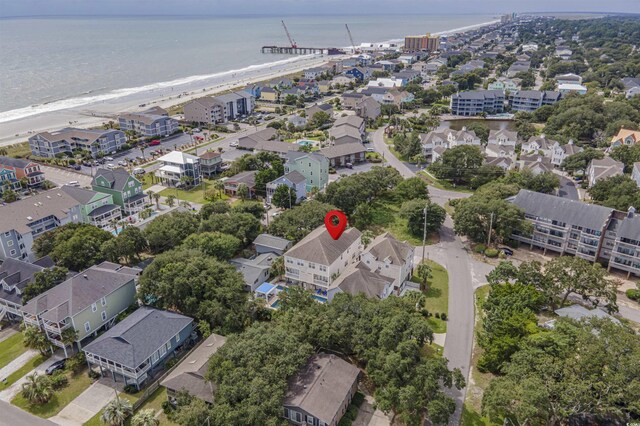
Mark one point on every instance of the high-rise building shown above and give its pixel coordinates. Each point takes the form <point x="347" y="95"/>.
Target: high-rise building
<point x="422" y="42"/>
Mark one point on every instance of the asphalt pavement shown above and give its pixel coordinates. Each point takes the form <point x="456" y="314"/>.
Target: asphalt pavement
<point x="568" y="189"/>
<point x="13" y="416"/>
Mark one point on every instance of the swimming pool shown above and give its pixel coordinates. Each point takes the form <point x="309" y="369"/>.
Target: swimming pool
<point x="320" y="298"/>
<point x="305" y="142"/>
<point x="276" y="304"/>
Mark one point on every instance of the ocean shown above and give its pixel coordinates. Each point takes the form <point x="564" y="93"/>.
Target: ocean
<point x="51" y="64"/>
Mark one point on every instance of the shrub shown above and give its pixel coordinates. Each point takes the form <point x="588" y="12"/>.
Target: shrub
<point x="167" y="407"/>
<point x="490" y="252"/>
<point x="443" y="316"/>
<point x="332" y="170"/>
<point x="59" y="380"/>
<point x="170" y="363"/>
<point x="94" y="375"/>
<point x="480" y="248"/>
<point x="633" y="294"/>
<point x="75" y="363"/>
<point x="437" y="314"/>
<point x="130" y="389"/>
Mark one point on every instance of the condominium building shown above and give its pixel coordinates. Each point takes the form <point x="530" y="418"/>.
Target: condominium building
<point x="152" y="122"/>
<point x="96" y="208"/>
<point x="97" y="142"/>
<point x="589" y="231"/>
<point x="476" y="102"/>
<point x="421" y="42"/>
<point x="531" y="100"/>
<point x="219" y="109"/>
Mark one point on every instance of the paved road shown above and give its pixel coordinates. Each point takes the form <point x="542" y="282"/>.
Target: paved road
<point x="568" y="189"/>
<point x="451" y="254"/>
<point x="13" y="416"/>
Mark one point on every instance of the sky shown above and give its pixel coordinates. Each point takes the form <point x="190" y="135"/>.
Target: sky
<point x="10" y="8"/>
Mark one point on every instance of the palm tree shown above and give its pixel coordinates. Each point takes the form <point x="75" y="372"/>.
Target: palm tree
<point x="116" y="412"/>
<point x="145" y="418"/>
<point x="35" y="338"/>
<point x="171" y="200"/>
<point x="218" y="185"/>
<point x="142" y="148"/>
<point x="156" y="198"/>
<point x="423" y="272"/>
<point x="38" y="389"/>
<point x="68" y="337"/>
<point x="277" y="267"/>
<point x="242" y="191"/>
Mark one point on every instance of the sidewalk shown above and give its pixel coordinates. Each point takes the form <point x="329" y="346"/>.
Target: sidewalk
<point x="7" y="332"/>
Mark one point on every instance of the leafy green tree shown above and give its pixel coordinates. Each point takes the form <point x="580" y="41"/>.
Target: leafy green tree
<point x="284" y="197"/>
<point x="628" y="154"/>
<point x="128" y="245"/>
<point x="9" y="195"/>
<point x="413" y="211"/>
<point x="196" y="412"/>
<point x="117" y="412"/>
<point x="474" y="216"/>
<point x="277" y="267"/>
<point x="546" y="182"/>
<point x="363" y="216"/>
<point x="217" y="244"/>
<point x="254" y="208"/>
<point x="319" y="119"/>
<point x="244" y="226"/>
<point x="145" y="417"/>
<point x="169" y="230"/>
<point x="171" y="200"/>
<point x="618" y="192"/>
<point x="196" y="285"/>
<point x="216" y="207"/>
<point x="407" y="145"/>
<point x="296" y="223"/>
<point x="581" y="371"/>
<point x="43" y="281"/>
<point x="458" y="164"/>
<point x="480" y="129"/>
<point x="73" y="246"/>
<point x="424" y="272"/>
<point x="410" y="189"/>
<point x="485" y="174"/>
<point x="242" y="191"/>
<point x="580" y="161"/>
<point x="37" y="389"/>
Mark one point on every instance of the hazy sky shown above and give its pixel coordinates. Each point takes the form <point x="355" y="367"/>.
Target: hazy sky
<point x="282" y="7"/>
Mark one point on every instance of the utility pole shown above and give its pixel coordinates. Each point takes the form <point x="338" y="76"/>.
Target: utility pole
<point x="490" y="229"/>
<point x="424" y="231"/>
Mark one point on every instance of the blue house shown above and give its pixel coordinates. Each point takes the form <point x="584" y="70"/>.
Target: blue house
<point x="356" y="72"/>
<point x="294" y="180"/>
<point x="254" y="90"/>
<point x="8" y="180"/>
<point x="138" y="346"/>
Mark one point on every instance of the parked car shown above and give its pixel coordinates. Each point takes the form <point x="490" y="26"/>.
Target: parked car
<point x="154" y="142"/>
<point x="110" y="166"/>
<point x="108" y="158"/>
<point x="370" y="149"/>
<point x="506" y="250"/>
<point x="58" y="365"/>
<point x="122" y="163"/>
<point x="234" y="144"/>
<point x="349" y="166"/>
<point x="196" y="130"/>
<point x="73" y="183"/>
<point x="138" y="171"/>
<point x="75" y="167"/>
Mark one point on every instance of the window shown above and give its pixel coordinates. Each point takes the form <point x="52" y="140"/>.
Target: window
<point x="154" y="357"/>
<point x="12" y="252"/>
<point x="163" y="350"/>
<point x="286" y="413"/>
<point x="94" y="307"/>
<point x="177" y="338"/>
<point x="103" y="301"/>
<point x="310" y="419"/>
<point x="87" y="326"/>
<point x="9" y="243"/>
<point x="103" y="315"/>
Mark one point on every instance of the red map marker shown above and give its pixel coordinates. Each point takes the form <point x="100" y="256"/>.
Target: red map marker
<point x="335" y="230"/>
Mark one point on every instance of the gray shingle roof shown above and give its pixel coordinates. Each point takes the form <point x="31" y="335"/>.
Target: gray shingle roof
<point x="19" y="214"/>
<point x="385" y="246"/>
<point x="319" y="247"/>
<point x="134" y="339"/>
<point x="78" y="292"/>
<point x="562" y="209"/>
<point x="343" y="149"/>
<point x="268" y="240"/>
<point x="630" y="228"/>
<point x="357" y="279"/>
<point x="321" y="386"/>
<point x="18" y="163"/>
<point x="81" y="195"/>
<point x="17" y="275"/>
<point x="117" y="177"/>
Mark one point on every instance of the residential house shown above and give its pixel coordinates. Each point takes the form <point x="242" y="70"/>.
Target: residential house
<point x="603" y="169"/>
<point x="568" y="79"/>
<point x="352" y="121"/>
<point x="267" y="243"/>
<point x="318" y="259"/>
<point x="506" y="163"/>
<point x="312" y="110"/>
<point x="297" y="120"/>
<point x="8" y="180"/>
<point x="566" y="88"/>
<point x="177" y="167"/>
<point x="496" y="150"/>
<point x="625" y="254"/>
<point x="368" y="108"/>
<point x="503" y="84"/>
<point x="391" y="259"/>
<point x="503" y="137"/>
<point x="635" y="173"/>
<point x="345" y="153"/>
<point x="248" y="178"/>
<point x="634" y="91"/>
<point x="324" y="87"/>
<point x="63" y="142"/>
<point x="563" y="52"/>
<point x="96" y="208"/>
<point x="357" y="279"/>
<point x="531" y="100"/>
<point x="23" y="169"/>
<point x="293" y="180"/>
<point x="85" y="303"/>
<point x="397" y="97"/>
<point x="269" y="94"/>
<point x="210" y="163"/>
<point x="320" y="393"/>
<point x="472" y="65"/>
<point x="255" y="271"/>
<point x="139" y="345"/>
<point x="539" y="145"/>
<point x="406" y="76"/>
<point x="476" y="102"/>
<point x="15" y="276"/>
<point x="276" y="147"/>
<point x="154" y="122"/>
<point x="25" y="220"/>
<point x="254" y="90"/>
<point x="249" y="142"/>
<point x="376" y="93"/>
<point x="190" y="375"/>
<point x="312" y="165"/>
<point x="314" y="72"/>
<point x="125" y="189"/>
<point x="220" y="109"/>
<point x="344" y="80"/>
<point x="344" y="135"/>
<point x="436" y="142"/>
<point x="625" y="137"/>
<point x="560" y="152"/>
<point x="518" y="67"/>
<point x="537" y="164"/>
<point x="351" y="99"/>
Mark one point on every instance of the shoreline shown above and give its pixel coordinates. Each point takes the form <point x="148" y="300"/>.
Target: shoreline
<point x="91" y="111"/>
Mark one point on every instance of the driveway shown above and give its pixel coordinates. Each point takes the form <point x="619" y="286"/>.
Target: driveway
<point x="85" y="406"/>
<point x="8" y="394"/>
<point x="568" y="189"/>
<point x="369" y="416"/>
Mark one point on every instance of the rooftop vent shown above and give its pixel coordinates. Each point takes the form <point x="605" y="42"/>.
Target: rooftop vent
<point x="85" y="277"/>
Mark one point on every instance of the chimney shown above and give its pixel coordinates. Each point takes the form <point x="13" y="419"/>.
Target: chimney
<point x="631" y="212"/>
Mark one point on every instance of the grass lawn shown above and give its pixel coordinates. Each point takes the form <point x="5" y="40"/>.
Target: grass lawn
<point x="146" y="180"/>
<point x="386" y="218"/>
<point x="154" y="402"/>
<point x="437" y="296"/>
<point x="194" y="195"/>
<point x="78" y="383"/>
<point x="11" y="348"/>
<point x="21" y="372"/>
<point x="443" y="184"/>
<point x="470" y="417"/>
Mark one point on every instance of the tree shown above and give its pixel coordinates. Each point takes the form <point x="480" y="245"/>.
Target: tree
<point x="581" y="372"/>
<point x="145" y="418"/>
<point x="296" y="223"/>
<point x="618" y="192"/>
<point x="458" y="164"/>
<point x="171" y="200"/>
<point x="363" y="216"/>
<point x="319" y="119"/>
<point x="480" y="129"/>
<point x="217" y="244"/>
<point x="545" y="182"/>
<point x="169" y="230"/>
<point x="569" y="274"/>
<point x="284" y="197"/>
<point x="413" y="211"/>
<point x="410" y="189"/>
<point x="244" y="226"/>
<point x="277" y="267"/>
<point x="37" y="389"/>
<point x="196" y="285"/>
<point x="580" y="161"/>
<point x="407" y="145"/>
<point x="129" y="243"/>
<point x="117" y="412"/>
<point x="195" y="412"/>
<point x="628" y="154"/>
<point x="35" y="338"/>
<point x="217" y="207"/>
<point x="43" y="281"/>
<point x="474" y="216"/>
<point x="242" y="191"/>
<point x="485" y="174"/>
<point x="9" y="195"/>
<point x="255" y="208"/>
<point x="75" y="246"/>
<point x="423" y="272"/>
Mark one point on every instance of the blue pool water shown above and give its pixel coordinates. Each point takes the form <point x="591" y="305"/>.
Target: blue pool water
<point x="276" y="304"/>
<point x="305" y="142"/>
<point x="320" y="298"/>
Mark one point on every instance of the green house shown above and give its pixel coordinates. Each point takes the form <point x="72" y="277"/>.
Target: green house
<point x="95" y="207"/>
<point x="126" y="190"/>
<point x="312" y="165"/>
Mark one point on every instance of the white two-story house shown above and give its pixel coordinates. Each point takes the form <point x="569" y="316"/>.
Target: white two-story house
<point x="390" y="258"/>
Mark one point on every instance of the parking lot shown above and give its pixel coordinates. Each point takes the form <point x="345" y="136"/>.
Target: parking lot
<point x="64" y="176"/>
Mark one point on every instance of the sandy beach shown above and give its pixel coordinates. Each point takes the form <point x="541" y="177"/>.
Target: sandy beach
<point x="92" y="110"/>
